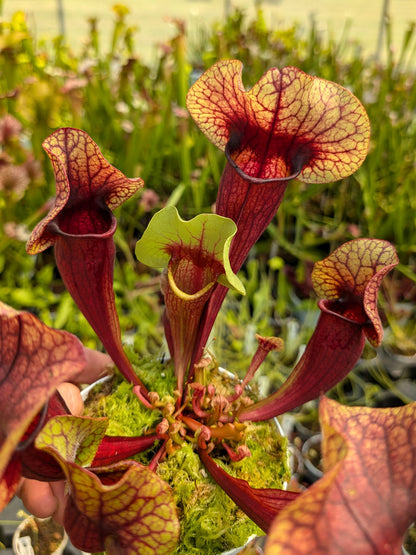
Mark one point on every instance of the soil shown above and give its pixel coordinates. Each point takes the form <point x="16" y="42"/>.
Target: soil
<point x="410" y="540"/>
<point x="45" y="534"/>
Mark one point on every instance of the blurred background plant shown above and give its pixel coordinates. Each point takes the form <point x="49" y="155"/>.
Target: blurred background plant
<point x="136" y="112"/>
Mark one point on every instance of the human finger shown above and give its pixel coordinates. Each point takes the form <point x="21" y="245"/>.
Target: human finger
<point x="37" y="497"/>
<point x="72" y="396"/>
<point x="97" y="366"/>
<point x="59" y="491"/>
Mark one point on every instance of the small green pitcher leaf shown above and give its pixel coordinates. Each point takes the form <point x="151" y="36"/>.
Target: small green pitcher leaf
<point x="205" y="239"/>
<point x="74" y="438"/>
<point x="122" y="508"/>
<point x="195" y="253"/>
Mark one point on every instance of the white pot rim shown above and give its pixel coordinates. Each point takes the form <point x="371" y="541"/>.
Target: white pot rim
<point x="22" y="544"/>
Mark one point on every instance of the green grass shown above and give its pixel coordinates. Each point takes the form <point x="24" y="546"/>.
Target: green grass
<point x="135" y="112"/>
<point x="154" y="25"/>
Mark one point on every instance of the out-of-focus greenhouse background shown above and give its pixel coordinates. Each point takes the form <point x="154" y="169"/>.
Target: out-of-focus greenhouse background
<point x="361" y="20"/>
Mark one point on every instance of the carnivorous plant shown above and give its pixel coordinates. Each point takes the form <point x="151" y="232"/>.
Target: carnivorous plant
<point x="288" y="126"/>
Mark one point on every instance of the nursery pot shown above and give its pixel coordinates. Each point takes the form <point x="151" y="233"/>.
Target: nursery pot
<point x="39" y="536"/>
<point x="256" y="543"/>
<point x="311" y="454"/>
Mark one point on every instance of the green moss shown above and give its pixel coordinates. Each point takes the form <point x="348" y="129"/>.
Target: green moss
<point x="210" y="521"/>
<point x="268" y="464"/>
<point x="156" y="375"/>
<point x="127" y="416"/>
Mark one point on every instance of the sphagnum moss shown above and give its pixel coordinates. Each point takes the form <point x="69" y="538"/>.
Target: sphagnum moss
<point x="210" y="521"/>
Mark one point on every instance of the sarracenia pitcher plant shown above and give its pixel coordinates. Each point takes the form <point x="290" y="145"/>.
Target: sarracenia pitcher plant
<point x="288" y="126"/>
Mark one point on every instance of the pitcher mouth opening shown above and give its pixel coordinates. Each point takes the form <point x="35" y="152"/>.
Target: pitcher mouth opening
<point x="259" y="180"/>
<point x="106" y="220"/>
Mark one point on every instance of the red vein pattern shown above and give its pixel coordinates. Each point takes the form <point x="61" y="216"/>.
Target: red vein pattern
<point x="352" y="275"/>
<point x="349" y="278"/>
<point x="286" y="118"/>
<point x="289" y="124"/>
<point x="81" y="226"/>
<point x="81" y="173"/>
<point x="136" y="514"/>
<point x="367" y="497"/>
<point x="123" y="508"/>
<point x="38" y="359"/>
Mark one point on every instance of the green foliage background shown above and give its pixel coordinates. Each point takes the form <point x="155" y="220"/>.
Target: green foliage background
<point x="137" y="115"/>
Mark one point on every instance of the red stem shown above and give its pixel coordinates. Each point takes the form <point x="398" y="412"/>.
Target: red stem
<point x="332" y="352"/>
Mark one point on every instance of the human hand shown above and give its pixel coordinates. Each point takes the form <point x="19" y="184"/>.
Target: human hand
<point x="44" y="499"/>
